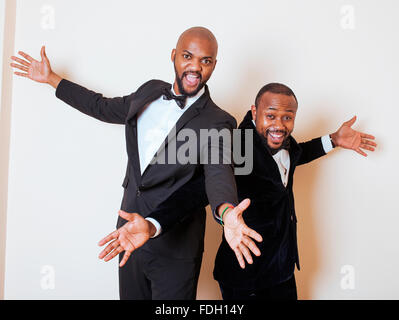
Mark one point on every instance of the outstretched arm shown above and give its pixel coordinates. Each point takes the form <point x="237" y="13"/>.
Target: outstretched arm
<point x="345" y="137"/>
<point x="112" y="110"/>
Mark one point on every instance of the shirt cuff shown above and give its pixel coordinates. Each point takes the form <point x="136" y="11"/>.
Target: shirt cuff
<point x="326" y="142"/>
<point x="216" y="216"/>
<point x="157" y="226"/>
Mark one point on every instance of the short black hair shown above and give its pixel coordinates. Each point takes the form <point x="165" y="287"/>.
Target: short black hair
<point x="275" y="87"/>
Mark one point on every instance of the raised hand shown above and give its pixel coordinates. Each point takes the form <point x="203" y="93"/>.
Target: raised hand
<point x="39" y="71"/>
<point x="348" y="138"/>
<point x="238" y="235"/>
<point x="132" y="235"/>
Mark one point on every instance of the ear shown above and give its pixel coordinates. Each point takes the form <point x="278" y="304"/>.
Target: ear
<point x="253" y="111"/>
<point x="173" y="55"/>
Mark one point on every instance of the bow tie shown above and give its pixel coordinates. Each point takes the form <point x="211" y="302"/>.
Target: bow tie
<point x="180" y="100"/>
<point x="284" y="146"/>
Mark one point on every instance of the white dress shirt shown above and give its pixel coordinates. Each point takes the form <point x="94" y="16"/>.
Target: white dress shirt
<point x="154" y="122"/>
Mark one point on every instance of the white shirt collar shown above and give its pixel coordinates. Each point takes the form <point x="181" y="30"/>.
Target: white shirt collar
<point x="191" y="100"/>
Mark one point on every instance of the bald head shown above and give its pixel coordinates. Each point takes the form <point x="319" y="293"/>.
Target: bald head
<point x="194" y="60"/>
<point x="199" y="33"/>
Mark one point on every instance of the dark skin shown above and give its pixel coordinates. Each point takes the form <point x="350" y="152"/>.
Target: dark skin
<point x="275" y="120"/>
<point x="194" y="60"/>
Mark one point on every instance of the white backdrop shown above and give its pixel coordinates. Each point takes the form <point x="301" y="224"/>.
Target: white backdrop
<point x="66" y="169"/>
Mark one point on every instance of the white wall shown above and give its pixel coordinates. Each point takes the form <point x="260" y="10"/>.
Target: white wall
<point x="65" y="169"/>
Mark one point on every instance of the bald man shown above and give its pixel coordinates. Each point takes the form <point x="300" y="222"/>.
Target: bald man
<point x="162" y="266"/>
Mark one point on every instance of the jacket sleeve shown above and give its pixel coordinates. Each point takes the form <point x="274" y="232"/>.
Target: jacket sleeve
<point x="220" y="184"/>
<point x="111" y="110"/>
<point x="311" y="150"/>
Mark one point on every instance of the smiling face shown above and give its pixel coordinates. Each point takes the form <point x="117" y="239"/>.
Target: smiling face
<point x="275" y="117"/>
<point x="194" y="60"/>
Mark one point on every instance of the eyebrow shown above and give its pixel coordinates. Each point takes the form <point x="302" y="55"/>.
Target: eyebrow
<point x="273" y="108"/>
<point x="192" y="55"/>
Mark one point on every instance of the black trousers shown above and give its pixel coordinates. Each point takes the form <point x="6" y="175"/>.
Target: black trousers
<point x="147" y="276"/>
<point x="283" y="291"/>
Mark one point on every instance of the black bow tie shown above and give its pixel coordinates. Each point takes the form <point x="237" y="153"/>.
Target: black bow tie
<point x="180" y="100"/>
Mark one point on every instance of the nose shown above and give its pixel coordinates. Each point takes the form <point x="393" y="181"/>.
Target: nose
<point x="195" y="65"/>
<point x="277" y="123"/>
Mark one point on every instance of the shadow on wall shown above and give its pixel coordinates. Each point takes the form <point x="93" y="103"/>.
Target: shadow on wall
<point x="208" y="288"/>
<point x="305" y="181"/>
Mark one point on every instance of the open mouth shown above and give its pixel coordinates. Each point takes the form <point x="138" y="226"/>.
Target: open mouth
<point x="191" y="79"/>
<point x="276" y="137"/>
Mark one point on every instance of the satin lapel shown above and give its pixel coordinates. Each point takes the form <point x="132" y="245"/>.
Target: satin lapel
<point x="137" y="104"/>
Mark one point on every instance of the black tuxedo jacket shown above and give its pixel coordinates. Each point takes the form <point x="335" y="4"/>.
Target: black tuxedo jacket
<point x="271" y="213"/>
<point x="145" y="192"/>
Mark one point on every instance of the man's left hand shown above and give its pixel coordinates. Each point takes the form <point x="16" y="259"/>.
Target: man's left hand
<point x="348" y="138"/>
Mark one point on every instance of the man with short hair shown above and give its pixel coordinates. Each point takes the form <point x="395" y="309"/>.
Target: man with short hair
<point x="276" y="154"/>
<point x="165" y="267"/>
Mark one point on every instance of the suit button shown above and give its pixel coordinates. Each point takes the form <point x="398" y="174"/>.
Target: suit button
<point x="292" y="218"/>
<point x="138" y="193"/>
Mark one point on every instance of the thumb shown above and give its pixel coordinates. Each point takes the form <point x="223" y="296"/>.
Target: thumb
<point x="43" y="54"/>
<point x="243" y="205"/>
<point x="126" y="215"/>
<point x="350" y="122"/>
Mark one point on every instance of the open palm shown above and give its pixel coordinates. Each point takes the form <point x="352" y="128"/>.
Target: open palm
<point x="132" y="235"/>
<point x="33" y="69"/>
<point x="348" y="138"/>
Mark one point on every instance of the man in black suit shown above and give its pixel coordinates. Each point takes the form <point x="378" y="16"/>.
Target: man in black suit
<point x="269" y="186"/>
<point x="165" y="267"/>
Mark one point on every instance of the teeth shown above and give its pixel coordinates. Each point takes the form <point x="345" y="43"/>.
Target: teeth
<point x="276" y="135"/>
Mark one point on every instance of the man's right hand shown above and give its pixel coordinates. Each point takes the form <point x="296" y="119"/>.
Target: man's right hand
<point x="238" y="235"/>
<point x="39" y="71"/>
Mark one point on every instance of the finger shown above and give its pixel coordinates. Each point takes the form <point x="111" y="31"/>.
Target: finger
<point x="26" y="56"/>
<point x="251" y="245"/>
<point x="19" y="67"/>
<point x="367" y="136"/>
<point x="113" y="254"/>
<point x="108" y="238"/>
<point x="125" y="215"/>
<point x="113" y="245"/>
<point x="25" y="63"/>
<point x="43" y="54"/>
<point x="363" y="146"/>
<point x="368" y="142"/>
<point x="361" y="152"/>
<point x="252" y="233"/>
<point x="350" y="122"/>
<point x="125" y="258"/>
<point x="239" y="258"/>
<point x="21" y="74"/>
<point x="247" y="255"/>
<point x="243" y="205"/>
